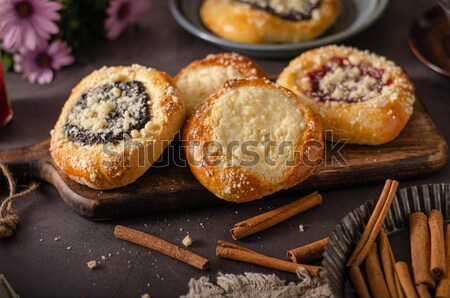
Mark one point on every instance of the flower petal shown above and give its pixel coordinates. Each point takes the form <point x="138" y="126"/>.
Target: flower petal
<point x="46" y="76"/>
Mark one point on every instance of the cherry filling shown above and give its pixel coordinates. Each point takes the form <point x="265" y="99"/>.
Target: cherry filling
<point x="341" y="80"/>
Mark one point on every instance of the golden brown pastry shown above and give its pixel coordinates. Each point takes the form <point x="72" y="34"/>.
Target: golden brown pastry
<point x="269" y="21"/>
<point x="362" y="97"/>
<point x="252" y="138"/>
<point x="203" y="77"/>
<point x="115" y="124"/>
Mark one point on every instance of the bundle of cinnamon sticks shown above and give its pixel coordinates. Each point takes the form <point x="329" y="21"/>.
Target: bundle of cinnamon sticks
<point x="382" y="276"/>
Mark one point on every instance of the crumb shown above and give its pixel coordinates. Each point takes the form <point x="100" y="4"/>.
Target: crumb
<point x="146" y="296"/>
<point x="103" y="258"/>
<point x="41" y="240"/>
<point x="57" y="238"/>
<point x="187" y="241"/>
<point x="92" y="265"/>
<point x="301" y="228"/>
<point x="69" y="248"/>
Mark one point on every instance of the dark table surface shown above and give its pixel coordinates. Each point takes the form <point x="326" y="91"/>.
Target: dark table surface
<point x="37" y="265"/>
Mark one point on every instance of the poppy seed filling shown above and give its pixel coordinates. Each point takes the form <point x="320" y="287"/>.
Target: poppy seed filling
<point x="293" y="10"/>
<point x="108" y="113"/>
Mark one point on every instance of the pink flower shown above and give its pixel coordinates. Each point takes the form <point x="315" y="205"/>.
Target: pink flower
<point x="122" y="13"/>
<point x="38" y="64"/>
<point x="27" y="23"/>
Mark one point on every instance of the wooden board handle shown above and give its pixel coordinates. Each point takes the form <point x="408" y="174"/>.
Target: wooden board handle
<point x="26" y="162"/>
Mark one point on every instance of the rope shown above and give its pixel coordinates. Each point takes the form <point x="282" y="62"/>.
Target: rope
<point x="9" y="218"/>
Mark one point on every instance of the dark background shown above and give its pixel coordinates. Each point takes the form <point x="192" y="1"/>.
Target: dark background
<point x="46" y="267"/>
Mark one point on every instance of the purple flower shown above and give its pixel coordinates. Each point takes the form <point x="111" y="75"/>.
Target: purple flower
<point x="38" y="64"/>
<point x="27" y="23"/>
<point x="122" y="13"/>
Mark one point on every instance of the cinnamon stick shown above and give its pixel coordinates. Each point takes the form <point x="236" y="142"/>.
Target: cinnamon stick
<point x="386" y="260"/>
<point x="400" y="293"/>
<point x="419" y="237"/>
<point x="359" y="284"/>
<point x="161" y="246"/>
<point x="273" y="217"/>
<point x="422" y="291"/>
<point x="235" y="252"/>
<point x="374" y="225"/>
<point x="437" y="255"/>
<point x="375" y="275"/>
<point x="308" y="253"/>
<point x="443" y="289"/>
<point x="405" y="280"/>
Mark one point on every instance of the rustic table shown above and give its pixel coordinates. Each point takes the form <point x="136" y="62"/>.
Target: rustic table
<point x="47" y="255"/>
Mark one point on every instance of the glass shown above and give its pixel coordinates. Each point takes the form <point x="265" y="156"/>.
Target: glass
<point x="5" y="108"/>
<point x="445" y="4"/>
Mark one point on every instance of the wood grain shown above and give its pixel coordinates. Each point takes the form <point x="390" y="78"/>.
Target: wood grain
<point x="418" y="151"/>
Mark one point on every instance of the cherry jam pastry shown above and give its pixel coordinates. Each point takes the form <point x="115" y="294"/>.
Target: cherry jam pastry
<point x="108" y="113"/>
<point x="361" y="97"/>
<point x="294" y="10"/>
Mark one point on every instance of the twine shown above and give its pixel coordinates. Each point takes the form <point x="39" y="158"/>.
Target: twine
<point x="9" y="218"/>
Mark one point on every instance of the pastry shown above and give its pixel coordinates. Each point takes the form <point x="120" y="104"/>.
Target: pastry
<point x="252" y="138"/>
<point x="203" y="77"/>
<point x="115" y="124"/>
<point x="361" y="97"/>
<point x="269" y="21"/>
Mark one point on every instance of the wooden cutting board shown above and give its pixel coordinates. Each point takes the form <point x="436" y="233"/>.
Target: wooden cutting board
<point x="418" y="151"/>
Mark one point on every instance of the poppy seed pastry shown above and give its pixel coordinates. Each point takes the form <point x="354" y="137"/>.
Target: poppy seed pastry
<point x="361" y="97"/>
<point x="269" y="21"/>
<point x="251" y="139"/>
<point x="115" y="124"/>
<point x="203" y="77"/>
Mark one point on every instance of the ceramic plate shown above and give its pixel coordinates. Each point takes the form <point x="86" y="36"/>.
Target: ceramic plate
<point x="346" y="234"/>
<point x="355" y="16"/>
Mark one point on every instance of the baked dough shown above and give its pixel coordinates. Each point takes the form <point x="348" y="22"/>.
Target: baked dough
<point x="252" y="138"/>
<point x="269" y="21"/>
<point x="361" y="97"/>
<point x="115" y="124"/>
<point x="203" y="77"/>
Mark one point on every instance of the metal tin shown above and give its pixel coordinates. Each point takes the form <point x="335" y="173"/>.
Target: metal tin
<point x="346" y="234"/>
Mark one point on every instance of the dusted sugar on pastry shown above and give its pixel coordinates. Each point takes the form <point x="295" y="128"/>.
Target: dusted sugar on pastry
<point x="203" y="77"/>
<point x="269" y="21"/>
<point x="115" y="124"/>
<point x="252" y="138"/>
<point x="361" y="97"/>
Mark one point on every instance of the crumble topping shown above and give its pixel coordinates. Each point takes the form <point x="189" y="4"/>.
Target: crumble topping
<point x="347" y="79"/>
<point x="109" y="113"/>
<point x="294" y="10"/>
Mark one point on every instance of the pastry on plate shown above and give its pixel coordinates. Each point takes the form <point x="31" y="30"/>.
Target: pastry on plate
<point x="203" y="77"/>
<point x="361" y="97"/>
<point x="251" y="139"/>
<point x="269" y="21"/>
<point x="115" y="124"/>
